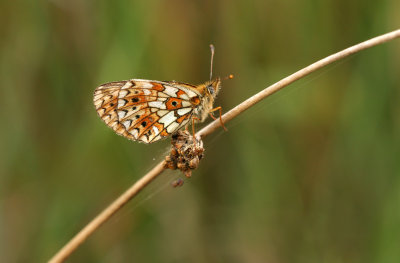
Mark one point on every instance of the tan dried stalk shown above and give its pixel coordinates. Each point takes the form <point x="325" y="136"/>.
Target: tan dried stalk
<point x="74" y="243"/>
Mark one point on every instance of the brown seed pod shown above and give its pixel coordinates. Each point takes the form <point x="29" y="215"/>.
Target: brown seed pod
<point x="186" y="153"/>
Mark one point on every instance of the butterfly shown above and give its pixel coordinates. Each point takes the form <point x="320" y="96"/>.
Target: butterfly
<point x="149" y="110"/>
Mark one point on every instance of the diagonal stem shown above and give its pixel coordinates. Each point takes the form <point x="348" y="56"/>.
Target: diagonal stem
<point x="210" y="128"/>
<point x="116" y="205"/>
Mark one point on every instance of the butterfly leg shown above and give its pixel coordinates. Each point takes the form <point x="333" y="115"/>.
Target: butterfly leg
<point x="193" y="119"/>
<point x="220" y="116"/>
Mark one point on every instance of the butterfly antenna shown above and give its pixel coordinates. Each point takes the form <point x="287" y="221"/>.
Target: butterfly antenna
<point x="230" y="76"/>
<point x="212" y="59"/>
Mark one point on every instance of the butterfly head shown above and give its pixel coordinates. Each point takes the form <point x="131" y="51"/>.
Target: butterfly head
<point x="213" y="87"/>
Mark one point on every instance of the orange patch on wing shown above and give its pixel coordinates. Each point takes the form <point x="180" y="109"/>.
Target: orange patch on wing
<point x="134" y="100"/>
<point x="138" y="117"/>
<point x="182" y="118"/>
<point x="134" y="108"/>
<point x="140" y="92"/>
<point x="195" y="100"/>
<point x="180" y="93"/>
<point x="173" y="103"/>
<point x="159" y="126"/>
<point x="164" y="133"/>
<point x="157" y="86"/>
<point x="146" y="122"/>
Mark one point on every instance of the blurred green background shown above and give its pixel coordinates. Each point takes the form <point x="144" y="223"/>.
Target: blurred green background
<point x="312" y="174"/>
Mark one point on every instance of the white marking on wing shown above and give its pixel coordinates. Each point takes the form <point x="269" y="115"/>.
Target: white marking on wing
<point x="171" y="91"/>
<point x="162" y="112"/>
<point x="183" y="111"/>
<point x="189" y="92"/>
<point x="157" y="104"/>
<point x="98" y="103"/>
<point x="186" y="103"/>
<point x="107" y="97"/>
<point x="144" y="139"/>
<point x="106" y="118"/>
<point x="185" y="96"/>
<point x="146" y="85"/>
<point x="127" y="124"/>
<point x="155" y="129"/>
<point x="101" y="111"/>
<point x="160" y="94"/>
<point x="146" y="92"/>
<point x="123" y="93"/>
<point x="127" y="85"/>
<point x="113" y="125"/>
<point x="121" y="102"/>
<point x="121" y="114"/>
<point x="97" y="96"/>
<point x="134" y="133"/>
<point x="167" y="119"/>
<point x="172" y="127"/>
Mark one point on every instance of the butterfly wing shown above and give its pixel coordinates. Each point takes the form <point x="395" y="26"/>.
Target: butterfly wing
<point x="145" y="110"/>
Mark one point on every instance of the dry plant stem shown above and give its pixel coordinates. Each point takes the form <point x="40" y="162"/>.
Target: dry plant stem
<point x="107" y="213"/>
<point x="296" y="76"/>
<point x="145" y="180"/>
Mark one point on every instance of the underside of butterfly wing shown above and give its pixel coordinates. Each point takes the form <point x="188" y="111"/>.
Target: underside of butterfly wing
<point x="145" y="110"/>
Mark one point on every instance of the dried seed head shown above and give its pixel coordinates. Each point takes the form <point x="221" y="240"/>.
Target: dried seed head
<point x="194" y="162"/>
<point x="186" y="153"/>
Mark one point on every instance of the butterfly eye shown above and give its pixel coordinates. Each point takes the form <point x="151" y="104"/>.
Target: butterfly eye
<point x="210" y="89"/>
